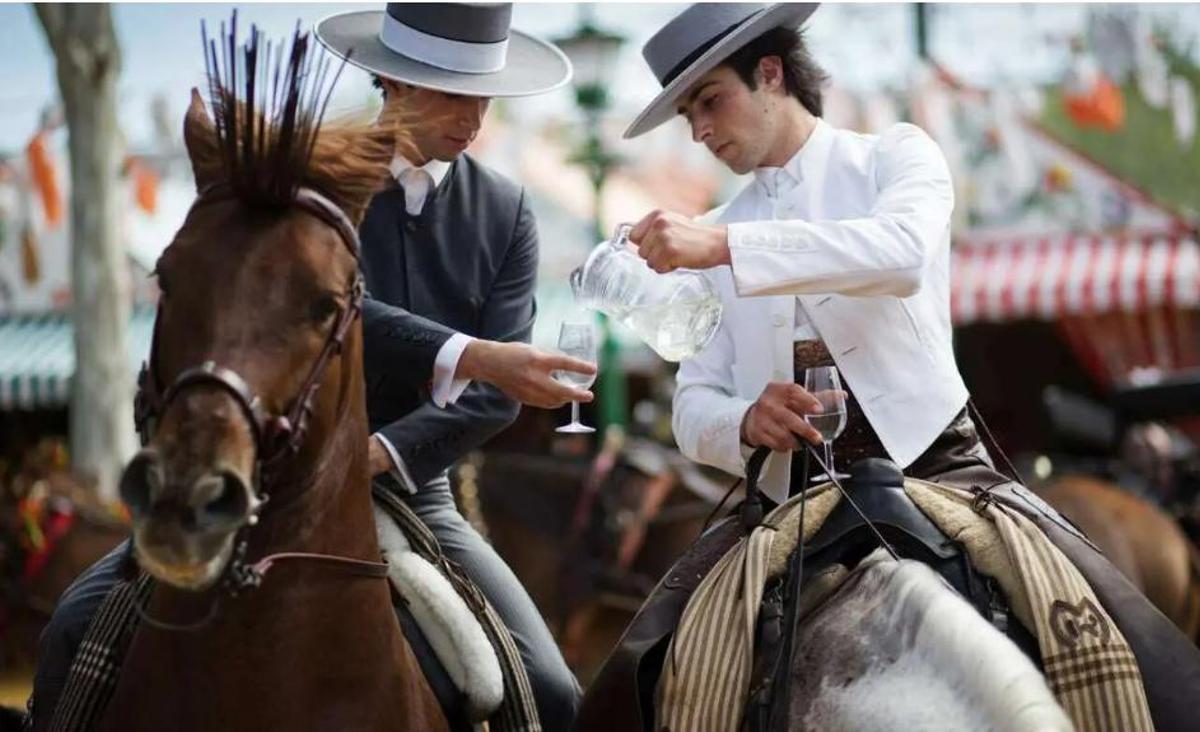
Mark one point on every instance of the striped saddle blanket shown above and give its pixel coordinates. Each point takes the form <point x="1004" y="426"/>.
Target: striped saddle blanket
<point x="1088" y="664"/>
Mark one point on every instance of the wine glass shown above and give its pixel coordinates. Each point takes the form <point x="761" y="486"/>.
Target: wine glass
<point x="824" y="383"/>
<point x="577" y="339"/>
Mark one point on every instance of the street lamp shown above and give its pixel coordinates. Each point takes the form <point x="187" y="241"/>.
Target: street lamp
<point x="593" y="53"/>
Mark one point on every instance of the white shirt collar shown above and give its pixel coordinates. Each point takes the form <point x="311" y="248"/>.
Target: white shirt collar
<point x="437" y="169"/>
<point x="775" y="182"/>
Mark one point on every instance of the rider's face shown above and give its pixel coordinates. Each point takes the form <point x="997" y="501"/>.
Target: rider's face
<point x="737" y="124"/>
<point x="441" y="125"/>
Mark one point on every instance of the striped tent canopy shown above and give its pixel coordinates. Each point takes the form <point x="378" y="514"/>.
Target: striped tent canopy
<point x="37" y="357"/>
<point x="1128" y="306"/>
<point x="1048" y="277"/>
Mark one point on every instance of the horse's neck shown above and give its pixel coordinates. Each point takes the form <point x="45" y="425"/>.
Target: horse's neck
<point x="325" y="509"/>
<point x="310" y="643"/>
<point x="916" y="656"/>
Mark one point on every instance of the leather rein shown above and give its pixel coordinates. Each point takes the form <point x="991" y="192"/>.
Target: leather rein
<point x="277" y="437"/>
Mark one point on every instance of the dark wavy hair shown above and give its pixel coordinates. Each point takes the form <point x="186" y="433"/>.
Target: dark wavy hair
<point x="802" y="77"/>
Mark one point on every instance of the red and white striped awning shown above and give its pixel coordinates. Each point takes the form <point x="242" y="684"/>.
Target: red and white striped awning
<point x="1051" y="277"/>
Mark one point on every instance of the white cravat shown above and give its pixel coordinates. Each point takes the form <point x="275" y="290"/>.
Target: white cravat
<point x="418" y="181"/>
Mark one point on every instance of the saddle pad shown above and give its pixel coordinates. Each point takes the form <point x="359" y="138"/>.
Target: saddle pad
<point x="518" y="710"/>
<point x="707" y="673"/>
<point x="453" y="631"/>
<point x="1089" y="665"/>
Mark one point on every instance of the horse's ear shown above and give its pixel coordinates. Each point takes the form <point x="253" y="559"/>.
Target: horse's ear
<point x="200" y="137"/>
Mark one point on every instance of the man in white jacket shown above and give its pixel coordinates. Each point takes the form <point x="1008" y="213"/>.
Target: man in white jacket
<point x="837" y="252"/>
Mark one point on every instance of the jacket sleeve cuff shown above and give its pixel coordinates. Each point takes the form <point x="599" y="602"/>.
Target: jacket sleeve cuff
<point x="740" y="238"/>
<point x="446" y="389"/>
<point x="399" y="469"/>
<point x="754" y="251"/>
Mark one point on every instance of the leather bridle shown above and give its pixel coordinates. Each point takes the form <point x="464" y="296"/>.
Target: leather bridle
<point x="277" y="437"/>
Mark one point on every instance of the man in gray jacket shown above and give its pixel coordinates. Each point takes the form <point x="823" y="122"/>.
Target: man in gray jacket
<point x="449" y="254"/>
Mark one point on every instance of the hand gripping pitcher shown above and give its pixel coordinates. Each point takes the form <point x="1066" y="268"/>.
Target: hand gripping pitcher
<point x="676" y="314"/>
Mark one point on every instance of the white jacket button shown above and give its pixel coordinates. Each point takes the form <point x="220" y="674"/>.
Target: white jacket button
<point x="778" y="321"/>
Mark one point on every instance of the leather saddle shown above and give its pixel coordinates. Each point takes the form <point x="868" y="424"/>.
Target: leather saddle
<point x="873" y="510"/>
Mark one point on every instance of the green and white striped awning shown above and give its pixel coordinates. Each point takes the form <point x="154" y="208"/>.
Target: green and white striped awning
<point x="37" y="351"/>
<point x="37" y="357"/>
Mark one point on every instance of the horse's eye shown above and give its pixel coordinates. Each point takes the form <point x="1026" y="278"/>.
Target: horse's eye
<point x="323" y="308"/>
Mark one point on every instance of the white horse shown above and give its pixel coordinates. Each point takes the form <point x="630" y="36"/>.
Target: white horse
<point x="893" y="647"/>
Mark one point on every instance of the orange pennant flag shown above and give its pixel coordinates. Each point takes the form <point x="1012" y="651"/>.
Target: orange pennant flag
<point x="145" y="186"/>
<point x="31" y="266"/>
<point x="45" y="179"/>
<point x="1101" y="106"/>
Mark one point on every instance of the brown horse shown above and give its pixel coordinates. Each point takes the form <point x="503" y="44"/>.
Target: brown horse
<point x="590" y="539"/>
<point x="1140" y="539"/>
<point x="254" y="387"/>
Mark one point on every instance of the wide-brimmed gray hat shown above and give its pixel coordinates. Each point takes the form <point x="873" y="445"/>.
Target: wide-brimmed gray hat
<point x="459" y="48"/>
<point x="697" y="40"/>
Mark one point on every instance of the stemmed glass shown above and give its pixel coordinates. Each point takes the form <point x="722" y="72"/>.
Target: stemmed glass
<point x="824" y="383"/>
<point x="577" y="339"/>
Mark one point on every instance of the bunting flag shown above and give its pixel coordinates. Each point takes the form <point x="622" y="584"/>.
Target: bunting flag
<point x="145" y="185"/>
<point x="1183" y="111"/>
<point x="45" y="178"/>
<point x="31" y="266"/>
<point x="1153" y="75"/>
<point x="1104" y="107"/>
<point x="1090" y="97"/>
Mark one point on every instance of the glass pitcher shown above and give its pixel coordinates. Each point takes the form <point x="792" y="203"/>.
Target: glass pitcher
<point x="676" y="314"/>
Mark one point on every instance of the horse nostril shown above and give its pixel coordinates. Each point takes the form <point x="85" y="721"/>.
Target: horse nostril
<point x="142" y="482"/>
<point x="224" y="501"/>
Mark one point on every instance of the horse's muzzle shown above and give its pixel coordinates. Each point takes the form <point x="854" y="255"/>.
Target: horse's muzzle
<point x="184" y="533"/>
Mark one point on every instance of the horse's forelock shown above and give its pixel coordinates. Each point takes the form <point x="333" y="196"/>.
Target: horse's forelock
<point x="266" y="138"/>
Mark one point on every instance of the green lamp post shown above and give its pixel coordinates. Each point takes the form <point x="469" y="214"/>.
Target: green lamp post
<point x="593" y="53"/>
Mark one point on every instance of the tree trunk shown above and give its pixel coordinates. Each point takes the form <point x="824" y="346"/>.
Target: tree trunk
<point x="88" y="62"/>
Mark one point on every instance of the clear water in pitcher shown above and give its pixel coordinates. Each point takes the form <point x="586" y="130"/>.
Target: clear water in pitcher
<point x="676" y="330"/>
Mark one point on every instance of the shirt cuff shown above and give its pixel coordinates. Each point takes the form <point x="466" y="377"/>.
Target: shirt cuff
<point x="399" y="470"/>
<point x="447" y="389"/>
